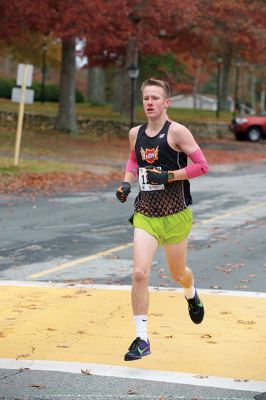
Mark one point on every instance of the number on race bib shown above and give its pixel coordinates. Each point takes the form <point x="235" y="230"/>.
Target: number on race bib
<point x="144" y="185"/>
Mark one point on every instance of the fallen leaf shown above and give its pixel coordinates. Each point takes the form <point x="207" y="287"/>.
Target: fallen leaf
<point x="157" y="314"/>
<point x="87" y="281"/>
<point x="86" y="371"/>
<point x="63" y="346"/>
<point x="164" y="276"/>
<point x="51" y="329"/>
<point x="240" y="321"/>
<point x="37" y="386"/>
<point x="237" y="266"/>
<point x="216" y="287"/>
<point x="23" y="356"/>
<point x="132" y="391"/>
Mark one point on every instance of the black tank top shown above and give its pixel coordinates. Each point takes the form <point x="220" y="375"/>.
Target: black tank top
<point x="157" y="152"/>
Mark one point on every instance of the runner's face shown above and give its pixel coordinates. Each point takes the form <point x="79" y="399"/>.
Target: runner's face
<point x="154" y="101"/>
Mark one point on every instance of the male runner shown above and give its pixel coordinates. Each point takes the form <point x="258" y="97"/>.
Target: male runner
<point x="158" y="157"/>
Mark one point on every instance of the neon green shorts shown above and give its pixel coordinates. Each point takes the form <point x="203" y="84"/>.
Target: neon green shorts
<point x="171" y="229"/>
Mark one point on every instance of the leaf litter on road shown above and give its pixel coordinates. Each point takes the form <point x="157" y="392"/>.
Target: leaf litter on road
<point x="86" y="371"/>
<point x="37" y="386"/>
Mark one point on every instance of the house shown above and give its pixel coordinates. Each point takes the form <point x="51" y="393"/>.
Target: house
<point x="199" y="101"/>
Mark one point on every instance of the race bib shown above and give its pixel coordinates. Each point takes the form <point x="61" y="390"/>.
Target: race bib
<point x="144" y="185"/>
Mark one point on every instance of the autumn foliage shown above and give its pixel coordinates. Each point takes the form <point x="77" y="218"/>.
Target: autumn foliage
<point x="158" y="26"/>
<point x="196" y="31"/>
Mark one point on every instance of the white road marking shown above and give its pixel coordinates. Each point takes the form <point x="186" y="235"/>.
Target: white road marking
<point x="50" y="284"/>
<point x="135" y="373"/>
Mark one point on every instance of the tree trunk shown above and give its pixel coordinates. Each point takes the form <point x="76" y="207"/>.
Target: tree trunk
<point x="262" y="99"/>
<point x="227" y="59"/>
<point x="196" y="104"/>
<point x="253" y="90"/>
<point x="66" y="117"/>
<point x="97" y="84"/>
<point x="195" y="90"/>
<point x="122" y="84"/>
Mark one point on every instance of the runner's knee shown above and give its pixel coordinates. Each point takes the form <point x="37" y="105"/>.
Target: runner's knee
<point x="181" y="275"/>
<point x="140" y="275"/>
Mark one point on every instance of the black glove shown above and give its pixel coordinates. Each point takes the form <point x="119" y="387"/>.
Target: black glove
<point x="156" y="176"/>
<point x="123" y="191"/>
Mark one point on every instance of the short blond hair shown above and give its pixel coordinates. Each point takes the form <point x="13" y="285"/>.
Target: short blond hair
<point x="157" y="82"/>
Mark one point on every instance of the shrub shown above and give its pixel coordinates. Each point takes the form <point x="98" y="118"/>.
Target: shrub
<point x="51" y="91"/>
<point x="6" y="86"/>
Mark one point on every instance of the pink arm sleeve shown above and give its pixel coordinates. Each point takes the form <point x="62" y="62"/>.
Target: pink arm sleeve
<point x="132" y="164"/>
<point x="199" y="166"/>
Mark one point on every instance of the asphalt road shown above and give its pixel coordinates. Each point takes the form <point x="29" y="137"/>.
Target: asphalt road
<point x="84" y="240"/>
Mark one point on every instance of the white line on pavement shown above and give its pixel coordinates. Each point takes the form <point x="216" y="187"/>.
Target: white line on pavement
<point x="127" y="288"/>
<point x="134" y="373"/>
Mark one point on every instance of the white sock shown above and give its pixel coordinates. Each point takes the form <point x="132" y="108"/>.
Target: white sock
<point x="141" y="326"/>
<point x="190" y="292"/>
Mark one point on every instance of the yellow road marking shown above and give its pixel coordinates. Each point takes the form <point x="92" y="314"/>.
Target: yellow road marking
<point x="95" y="326"/>
<point x="82" y="260"/>
<point x="229" y="214"/>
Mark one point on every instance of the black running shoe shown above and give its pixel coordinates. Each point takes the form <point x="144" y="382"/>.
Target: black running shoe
<point x="138" y="349"/>
<point x="195" y="309"/>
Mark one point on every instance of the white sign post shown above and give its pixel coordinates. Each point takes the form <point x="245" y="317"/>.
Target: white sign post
<point x="24" y="79"/>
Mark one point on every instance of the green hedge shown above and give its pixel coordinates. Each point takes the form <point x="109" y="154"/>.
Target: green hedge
<point x="6" y="86"/>
<point x="51" y="91"/>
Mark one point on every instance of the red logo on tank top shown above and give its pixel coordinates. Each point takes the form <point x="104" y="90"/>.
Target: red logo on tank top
<point x="149" y="155"/>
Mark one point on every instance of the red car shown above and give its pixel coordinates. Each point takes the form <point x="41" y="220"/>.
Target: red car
<point x="251" y="128"/>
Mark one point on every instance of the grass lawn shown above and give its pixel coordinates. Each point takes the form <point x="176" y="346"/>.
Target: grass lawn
<point x="86" y="110"/>
<point x="50" y="159"/>
<point x="52" y="151"/>
<point x="7" y="167"/>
